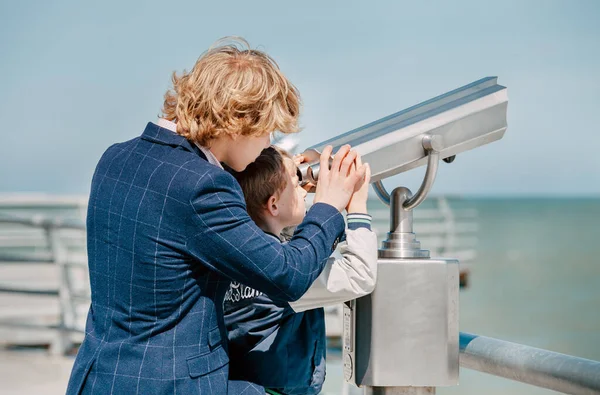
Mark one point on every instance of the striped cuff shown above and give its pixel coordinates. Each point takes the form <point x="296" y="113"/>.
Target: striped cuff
<point x="358" y="220"/>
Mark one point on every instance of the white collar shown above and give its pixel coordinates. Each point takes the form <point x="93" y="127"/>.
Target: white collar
<point x="172" y="126"/>
<point x="166" y="124"/>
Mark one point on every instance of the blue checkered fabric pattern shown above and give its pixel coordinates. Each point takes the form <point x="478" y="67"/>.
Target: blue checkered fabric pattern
<point x="167" y="231"/>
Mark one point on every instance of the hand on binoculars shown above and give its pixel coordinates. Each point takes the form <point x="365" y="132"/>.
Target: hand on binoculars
<point x="337" y="184"/>
<point x="298" y="159"/>
<point x="358" y="200"/>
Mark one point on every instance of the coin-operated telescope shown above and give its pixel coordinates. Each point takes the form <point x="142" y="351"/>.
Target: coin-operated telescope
<point x="403" y="338"/>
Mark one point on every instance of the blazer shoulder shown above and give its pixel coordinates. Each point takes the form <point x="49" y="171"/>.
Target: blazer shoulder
<point x="206" y="176"/>
<point x="124" y="145"/>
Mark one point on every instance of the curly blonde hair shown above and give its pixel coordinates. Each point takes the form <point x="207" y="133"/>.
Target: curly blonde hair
<point x="232" y="90"/>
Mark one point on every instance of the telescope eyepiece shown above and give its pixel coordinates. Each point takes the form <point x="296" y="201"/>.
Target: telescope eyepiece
<point x="308" y="172"/>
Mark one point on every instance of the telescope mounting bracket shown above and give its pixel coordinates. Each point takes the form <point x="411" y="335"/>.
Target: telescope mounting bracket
<point x="432" y="146"/>
<point x="401" y="242"/>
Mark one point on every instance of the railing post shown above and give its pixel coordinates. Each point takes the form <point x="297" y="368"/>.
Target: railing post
<point x="62" y="343"/>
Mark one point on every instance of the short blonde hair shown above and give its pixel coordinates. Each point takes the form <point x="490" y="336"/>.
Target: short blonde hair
<point x="232" y="90"/>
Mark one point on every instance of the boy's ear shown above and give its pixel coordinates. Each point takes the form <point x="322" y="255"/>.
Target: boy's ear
<point x="272" y="206"/>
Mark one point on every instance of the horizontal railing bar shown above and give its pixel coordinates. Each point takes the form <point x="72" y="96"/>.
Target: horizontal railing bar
<point x="39" y="242"/>
<point x="16" y="230"/>
<point x="29" y="235"/>
<point x="43" y="222"/>
<point x="541" y="368"/>
<point x="440" y="227"/>
<point x="425" y="230"/>
<point x="437" y="241"/>
<point x="38" y="326"/>
<point x="39" y="292"/>
<point x="26" y="258"/>
<point x="35" y="201"/>
<point x="457" y="214"/>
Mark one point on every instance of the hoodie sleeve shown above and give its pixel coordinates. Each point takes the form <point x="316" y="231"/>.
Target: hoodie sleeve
<point x="349" y="277"/>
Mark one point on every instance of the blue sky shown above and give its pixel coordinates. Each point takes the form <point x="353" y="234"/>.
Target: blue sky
<point x="77" y="76"/>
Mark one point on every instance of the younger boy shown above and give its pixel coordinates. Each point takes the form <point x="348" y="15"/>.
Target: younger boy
<point x="281" y="345"/>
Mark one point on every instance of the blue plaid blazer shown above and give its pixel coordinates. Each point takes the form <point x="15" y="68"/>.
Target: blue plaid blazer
<point x="166" y="232"/>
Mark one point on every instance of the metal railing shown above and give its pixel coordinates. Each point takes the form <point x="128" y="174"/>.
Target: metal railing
<point x="541" y="368"/>
<point x="50" y="249"/>
<point x="517" y="362"/>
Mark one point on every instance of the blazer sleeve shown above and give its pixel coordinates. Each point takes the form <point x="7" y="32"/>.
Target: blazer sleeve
<point x="229" y="242"/>
<point x="346" y="278"/>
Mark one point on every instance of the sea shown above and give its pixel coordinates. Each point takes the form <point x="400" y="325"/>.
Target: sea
<point x="535" y="280"/>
